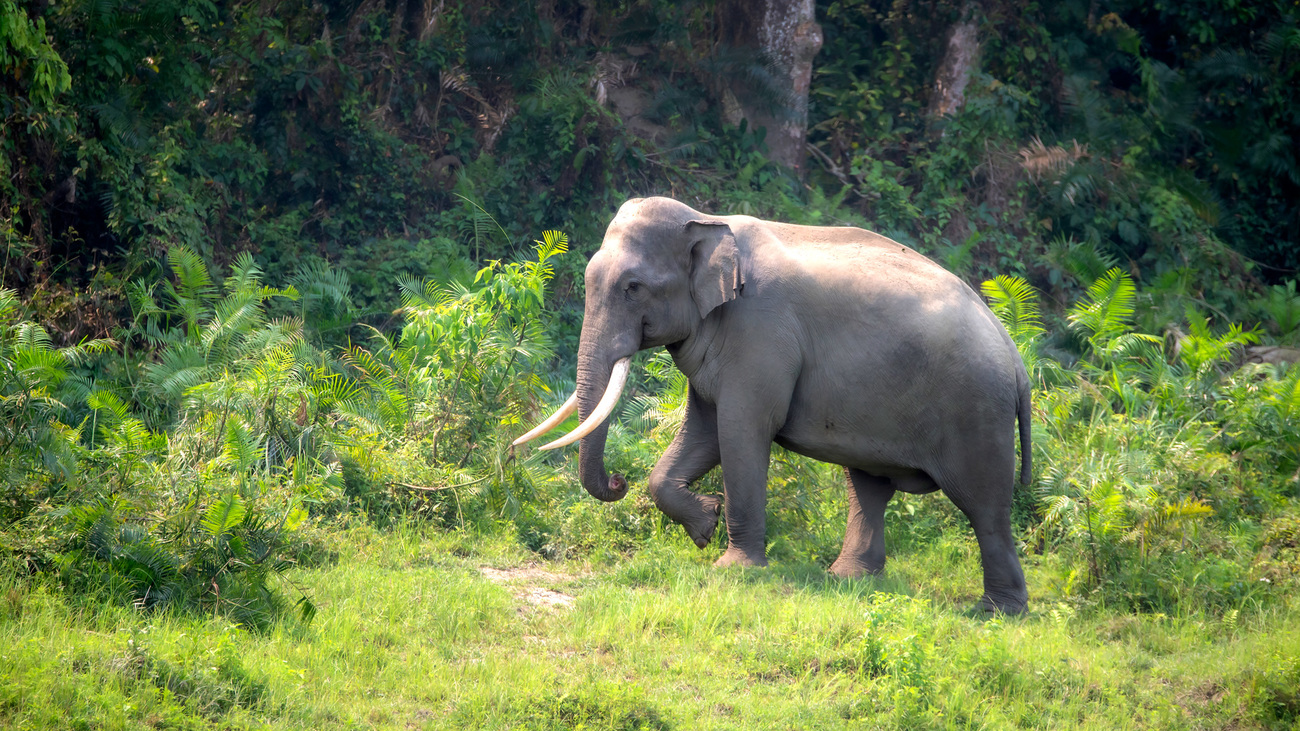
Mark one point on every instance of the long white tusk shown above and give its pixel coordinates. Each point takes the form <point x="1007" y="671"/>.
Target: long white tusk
<point x="551" y="422"/>
<point x="617" y="379"/>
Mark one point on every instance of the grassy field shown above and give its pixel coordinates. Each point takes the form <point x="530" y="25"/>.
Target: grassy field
<point x="424" y="629"/>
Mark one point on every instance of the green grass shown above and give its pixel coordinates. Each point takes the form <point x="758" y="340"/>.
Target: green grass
<point x="411" y="634"/>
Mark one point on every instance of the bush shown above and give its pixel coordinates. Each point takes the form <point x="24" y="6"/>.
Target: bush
<point x="1151" y="472"/>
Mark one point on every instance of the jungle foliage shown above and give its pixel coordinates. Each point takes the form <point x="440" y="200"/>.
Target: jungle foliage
<point x="376" y="135"/>
<point x="268" y="275"/>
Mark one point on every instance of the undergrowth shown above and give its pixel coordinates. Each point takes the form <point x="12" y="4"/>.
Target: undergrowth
<point x="185" y="464"/>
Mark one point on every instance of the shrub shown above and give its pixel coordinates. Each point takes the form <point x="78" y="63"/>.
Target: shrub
<point x="1143" y="462"/>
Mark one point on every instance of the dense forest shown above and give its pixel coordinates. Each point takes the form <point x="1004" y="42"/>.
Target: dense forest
<point x="283" y="280"/>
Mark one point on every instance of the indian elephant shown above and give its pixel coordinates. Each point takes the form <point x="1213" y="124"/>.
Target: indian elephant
<point x="835" y="343"/>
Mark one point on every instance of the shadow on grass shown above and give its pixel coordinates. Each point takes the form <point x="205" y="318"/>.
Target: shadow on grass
<point x="660" y="565"/>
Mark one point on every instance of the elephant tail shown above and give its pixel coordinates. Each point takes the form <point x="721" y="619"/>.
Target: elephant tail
<point x="1024" y="410"/>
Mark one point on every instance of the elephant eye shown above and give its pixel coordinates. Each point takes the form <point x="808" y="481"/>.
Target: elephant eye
<point x="633" y="287"/>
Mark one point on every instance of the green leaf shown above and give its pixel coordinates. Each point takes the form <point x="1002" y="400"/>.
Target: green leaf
<point x="224" y="516"/>
<point x="306" y="609"/>
<point x="1108" y="308"/>
<point x="1015" y="302"/>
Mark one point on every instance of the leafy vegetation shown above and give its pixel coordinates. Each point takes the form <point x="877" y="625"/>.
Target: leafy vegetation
<point x="189" y="479"/>
<point x="269" y="321"/>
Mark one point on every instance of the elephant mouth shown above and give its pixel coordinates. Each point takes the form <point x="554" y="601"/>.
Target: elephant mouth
<point x="617" y="381"/>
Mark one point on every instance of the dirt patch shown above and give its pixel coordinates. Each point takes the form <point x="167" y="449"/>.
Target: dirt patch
<point x="522" y="573"/>
<point x="523" y="583"/>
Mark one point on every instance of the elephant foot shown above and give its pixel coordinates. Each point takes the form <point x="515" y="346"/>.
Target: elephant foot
<point x="852" y="567"/>
<point x="988" y="607"/>
<point x="702" y="524"/>
<point x="734" y="556"/>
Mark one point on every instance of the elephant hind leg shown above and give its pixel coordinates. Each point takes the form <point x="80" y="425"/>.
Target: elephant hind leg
<point x="864" y="538"/>
<point x="986" y="501"/>
<point x="1004" y="580"/>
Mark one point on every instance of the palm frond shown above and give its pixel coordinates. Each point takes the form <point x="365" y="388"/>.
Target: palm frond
<point x="112" y="403"/>
<point x="1081" y="259"/>
<point x="10" y="307"/>
<point x="1284" y="396"/>
<point x="1041" y="160"/>
<point x="193" y="282"/>
<point x="1015" y="302"/>
<point x="223" y="516"/>
<point x="1108" y="308"/>
<point x="480" y="226"/>
<point x="95" y="526"/>
<point x="242" y="449"/>
<point x="178" y="369"/>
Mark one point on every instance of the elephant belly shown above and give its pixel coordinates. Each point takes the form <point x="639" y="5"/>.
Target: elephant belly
<point x="891" y="451"/>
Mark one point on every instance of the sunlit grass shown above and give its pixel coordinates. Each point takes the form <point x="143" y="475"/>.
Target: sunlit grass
<point x="410" y="634"/>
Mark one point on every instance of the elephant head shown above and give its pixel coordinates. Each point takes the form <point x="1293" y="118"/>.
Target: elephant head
<point x="661" y="269"/>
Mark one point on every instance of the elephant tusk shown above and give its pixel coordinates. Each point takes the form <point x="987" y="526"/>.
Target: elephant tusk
<point x="617" y="379"/>
<point x="551" y="422"/>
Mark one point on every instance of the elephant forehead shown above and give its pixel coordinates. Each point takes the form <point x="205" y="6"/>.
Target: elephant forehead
<point x="643" y="233"/>
<point x="607" y="264"/>
<point x="630" y="209"/>
<point x="656" y="208"/>
<point x="612" y="262"/>
<point x="640" y="243"/>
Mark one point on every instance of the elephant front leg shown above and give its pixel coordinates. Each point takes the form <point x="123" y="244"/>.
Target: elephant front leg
<point x="864" y="538"/>
<point x="745" y="439"/>
<point x="693" y="452"/>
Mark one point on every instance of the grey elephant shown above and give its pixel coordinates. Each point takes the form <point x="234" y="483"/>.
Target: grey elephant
<point x="835" y="343"/>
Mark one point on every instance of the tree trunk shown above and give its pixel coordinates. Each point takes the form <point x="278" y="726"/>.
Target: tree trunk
<point x="773" y="43"/>
<point x="959" y="61"/>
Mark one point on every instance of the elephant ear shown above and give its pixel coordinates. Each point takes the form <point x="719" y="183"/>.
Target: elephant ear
<point x="715" y="265"/>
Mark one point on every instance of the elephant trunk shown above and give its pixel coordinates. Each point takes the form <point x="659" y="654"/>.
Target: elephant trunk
<point x="593" y="383"/>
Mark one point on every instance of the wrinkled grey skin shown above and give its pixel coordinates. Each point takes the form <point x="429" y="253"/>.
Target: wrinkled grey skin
<point x="836" y="343"/>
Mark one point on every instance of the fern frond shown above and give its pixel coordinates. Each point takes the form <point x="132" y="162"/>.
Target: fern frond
<point x="242" y="450"/>
<point x="1109" y="307"/>
<point x="1015" y="302"/>
<point x="224" y="515"/>
<point x="193" y="282"/>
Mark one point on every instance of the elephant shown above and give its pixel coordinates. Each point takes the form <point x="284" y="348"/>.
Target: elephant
<point x="834" y="342"/>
